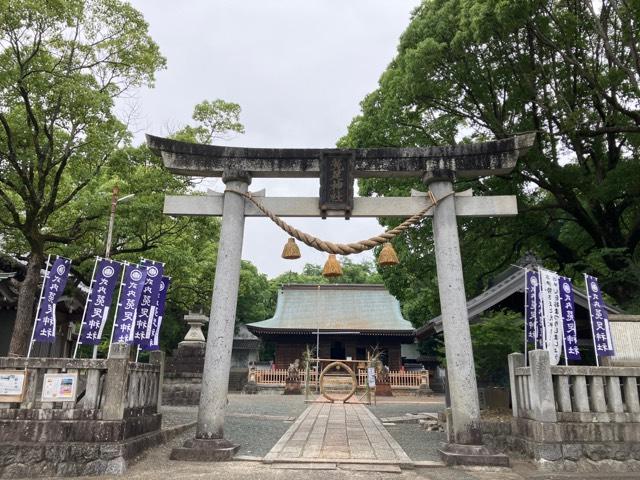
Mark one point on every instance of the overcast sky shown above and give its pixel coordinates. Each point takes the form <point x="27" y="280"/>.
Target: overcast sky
<point x="298" y="68"/>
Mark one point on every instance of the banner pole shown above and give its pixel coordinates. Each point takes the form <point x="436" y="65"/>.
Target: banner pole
<point x="137" y="353"/>
<point x="564" y="344"/>
<point x="593" y="333"/>
<point x="86" y="304"/>
<point x="115" y="315"/>
<point x="526" y="312"/>
<point x="35" y="321"/>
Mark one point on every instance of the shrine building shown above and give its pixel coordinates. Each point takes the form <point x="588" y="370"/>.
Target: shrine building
<point x="347" y="320"/>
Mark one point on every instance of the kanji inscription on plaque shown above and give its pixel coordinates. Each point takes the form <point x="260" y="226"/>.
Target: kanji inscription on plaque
<point x="336" y="183"/>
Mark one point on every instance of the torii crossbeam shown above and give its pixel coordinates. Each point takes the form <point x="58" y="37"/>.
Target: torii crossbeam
<point x="438" y="167"/>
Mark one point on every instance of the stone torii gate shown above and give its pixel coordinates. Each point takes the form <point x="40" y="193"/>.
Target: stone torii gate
<point x="438" y="167"/>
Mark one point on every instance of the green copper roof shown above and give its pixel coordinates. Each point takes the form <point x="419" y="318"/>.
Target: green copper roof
<point x="339" y="307"/>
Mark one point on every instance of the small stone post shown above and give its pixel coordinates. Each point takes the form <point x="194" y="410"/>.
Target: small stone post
<point x="115" y="385"/>
<point x="423" y="388"/>
<point x="543" y="404"/>
<point x="157" y="358"/>
<point x="210" y="444"/>
<point x="516" y="360"/>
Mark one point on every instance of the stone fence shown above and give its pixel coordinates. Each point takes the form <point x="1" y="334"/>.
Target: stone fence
<point x="108" y="389"/>
<point x="573" y="394"/>
<point x="113" y="417"/>
<point x="571" y="417"/>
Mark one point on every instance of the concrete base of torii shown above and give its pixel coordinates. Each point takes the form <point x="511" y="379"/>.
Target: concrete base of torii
<point x="201" y="450"/>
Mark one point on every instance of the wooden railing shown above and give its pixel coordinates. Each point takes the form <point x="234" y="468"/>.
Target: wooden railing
<point x="572" y="393"/>
<point x="398" y="379"/>
<point x="106" y="389"/>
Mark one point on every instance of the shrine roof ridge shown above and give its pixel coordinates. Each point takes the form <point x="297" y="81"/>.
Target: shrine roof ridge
<point x="467" y="160"/>
<point x="336" y="307"/>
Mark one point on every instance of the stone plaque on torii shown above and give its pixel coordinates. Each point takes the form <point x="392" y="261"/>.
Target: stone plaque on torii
<point x="438" y="167"/>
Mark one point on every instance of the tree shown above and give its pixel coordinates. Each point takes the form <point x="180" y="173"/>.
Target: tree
<point x="364" y="272"/>
<point x="216" y="119"/>
<point x="494" y="336"/>
<point x="62" y="64"/>
<point x="470" y="70"/>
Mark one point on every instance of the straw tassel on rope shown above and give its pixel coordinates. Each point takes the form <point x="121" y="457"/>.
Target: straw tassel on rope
<point x="291" y="250"/>
<point x="332" y="267"/>
<point x="387" y="256"/>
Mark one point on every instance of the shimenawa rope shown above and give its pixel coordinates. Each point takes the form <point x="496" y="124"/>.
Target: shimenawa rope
<point x="342" y="248"/>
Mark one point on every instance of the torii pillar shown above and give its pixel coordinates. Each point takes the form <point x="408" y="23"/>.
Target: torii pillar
<point x="437" y="166"/>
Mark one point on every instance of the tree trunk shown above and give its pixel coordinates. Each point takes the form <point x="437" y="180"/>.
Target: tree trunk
<point x="27" y="302"/>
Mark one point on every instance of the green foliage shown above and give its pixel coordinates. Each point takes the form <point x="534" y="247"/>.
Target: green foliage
<point x="215" y="119"/>
<point x="497" y="335"/>
<point x="494" y="336"/>
<point x="471" y="70"/>
<point x="62" y="64"/>
<point x="364" y="272"/>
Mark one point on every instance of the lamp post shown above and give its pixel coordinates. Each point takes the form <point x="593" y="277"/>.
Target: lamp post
<point x="112" y="218"/>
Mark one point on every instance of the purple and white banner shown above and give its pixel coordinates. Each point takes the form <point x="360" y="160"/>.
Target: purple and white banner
<point x="567" y="308"/>
<point x="599" y="319"/>
<point x="54" y="282"/>
<point x="551" y="314"/>
<point x="147" y="307"/>
<point x="533" y="315"/>
<point x="99" y="303"/>
<point x="154" y="340"/>
<point x="130" y="293"/>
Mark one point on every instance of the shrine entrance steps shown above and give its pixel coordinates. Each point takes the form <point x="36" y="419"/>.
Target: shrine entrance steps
<point x="338" y="434"/>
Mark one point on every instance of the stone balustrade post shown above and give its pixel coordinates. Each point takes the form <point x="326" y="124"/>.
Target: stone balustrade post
<point x="115" y="385"/>
<point x="157" y="358"/>
<point x="543" y="403"/>
<point x="516" y="360"/>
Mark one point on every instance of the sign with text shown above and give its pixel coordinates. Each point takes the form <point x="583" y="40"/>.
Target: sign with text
<point x="533" y="316"/>
<point x="148" y="302"/>
<point x="567" y="308"/>
<point x="54" y="283"/>
<point x="602" y="341"/>
<point x="99" y="303"/>
<point x="154" y="340"/>
<point x="12" y="385"/>
<point x="130" y="293"/>
<point x="371" y="377"/>
<point x="59" y="387"/>
<point x="551" y="313"/>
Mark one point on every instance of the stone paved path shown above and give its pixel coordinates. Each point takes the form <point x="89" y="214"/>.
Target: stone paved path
<point x="340" y="433"/>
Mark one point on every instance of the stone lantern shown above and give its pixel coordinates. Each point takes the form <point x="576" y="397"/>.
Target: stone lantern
<point x="195" y="322"/>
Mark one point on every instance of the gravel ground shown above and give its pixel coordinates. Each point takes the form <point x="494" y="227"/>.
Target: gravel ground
<point x="281" y="405"/>
<point x="258" y="434"/>
<point x="416" y="442"/>
<point x="401" y="405"/>
<point x="255" y="437"/>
